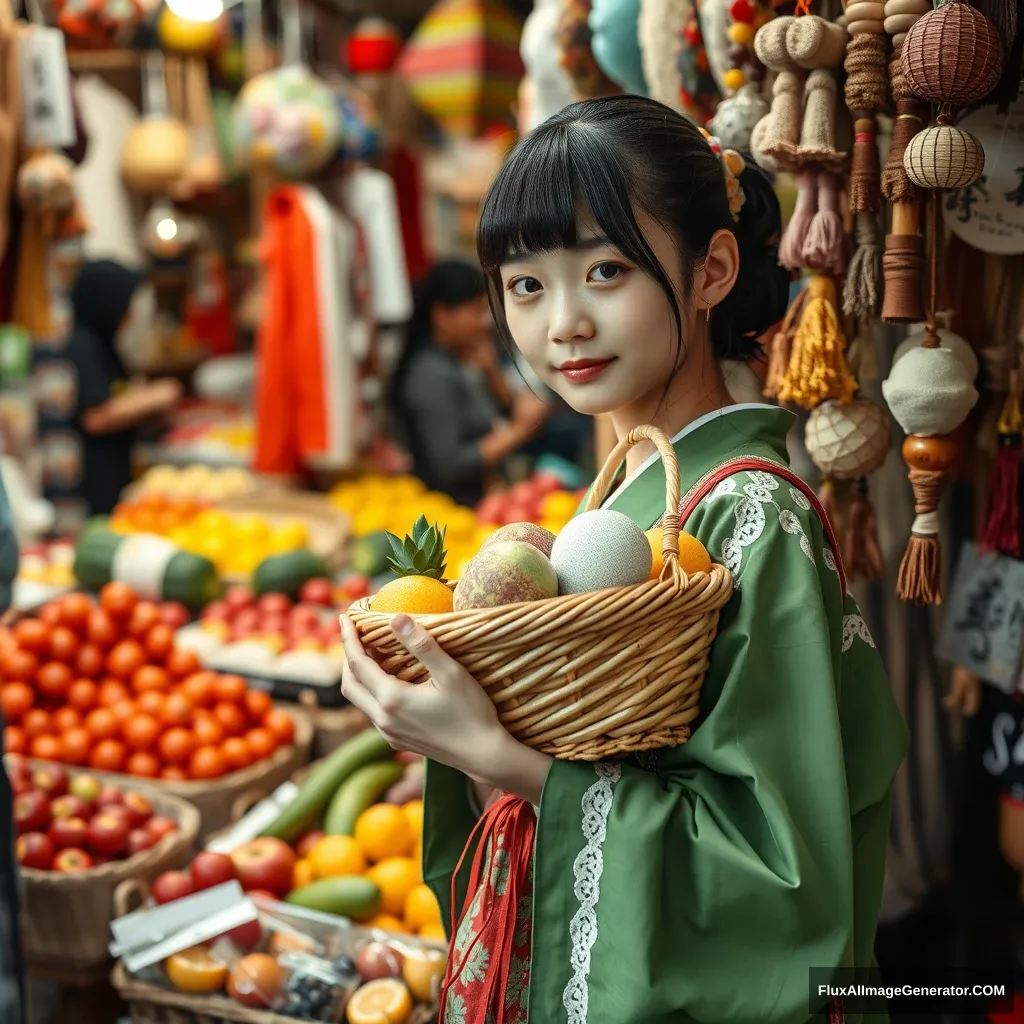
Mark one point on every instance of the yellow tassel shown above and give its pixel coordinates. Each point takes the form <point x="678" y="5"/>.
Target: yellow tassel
<point x="817" y="368"/>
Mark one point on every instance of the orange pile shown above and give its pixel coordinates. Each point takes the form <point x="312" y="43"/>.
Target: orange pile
<point x="102" y="684"/>
<point x="154" y="513"/>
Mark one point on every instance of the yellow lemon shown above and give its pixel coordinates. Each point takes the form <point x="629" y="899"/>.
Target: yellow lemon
<point x="421" y="908"/>
<point x="413" y="812"/>
<point x="252" y="529"/>
<point x="288" y="536"/>
<point x="395" y="877"/>
<point x="383" y="831"/>
<point x="337" y="855"/>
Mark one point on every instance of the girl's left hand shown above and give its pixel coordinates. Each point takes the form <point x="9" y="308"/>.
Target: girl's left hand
<point x="448" y="718"/>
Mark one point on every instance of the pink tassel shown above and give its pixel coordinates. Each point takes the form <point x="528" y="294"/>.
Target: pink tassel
<point x="824" y="247"/>
<point x="791" y="248"/>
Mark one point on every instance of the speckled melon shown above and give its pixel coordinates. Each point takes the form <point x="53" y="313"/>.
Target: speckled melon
<point x="505" y="574"/>
<point x="528" y="533"/>
<point x="600" y="549"/>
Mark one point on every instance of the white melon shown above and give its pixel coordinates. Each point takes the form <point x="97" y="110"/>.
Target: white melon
<point x="600" y="549"/>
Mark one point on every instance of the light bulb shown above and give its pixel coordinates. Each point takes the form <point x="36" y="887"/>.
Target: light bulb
<point x="196" y="10"/>
<point x="166" y="229"/>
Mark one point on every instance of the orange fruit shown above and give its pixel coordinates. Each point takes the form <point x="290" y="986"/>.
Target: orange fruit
<point x="386" y="923"/>
<point x="15" y="740"/>
<point x="396" y="877"/>
<point x="423" y="970"/>
<point x="302" y="874"/>
<point x="421" y="908"/>
<point x="415" y="595"/>
<point x="693" y="556"/>
<point x="413" y="812"/>
<point x="384" y="831"/>
<point x="196" y="970"/>
<point x="433" y="931"/>
<point x="384" y="1001"/>
<point x="336" y="855"/>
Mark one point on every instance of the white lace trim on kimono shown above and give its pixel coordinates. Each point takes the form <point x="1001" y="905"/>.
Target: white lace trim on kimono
<point x="751" y="518"/>
<point x="853" y="627"/>
<point x="587" y="869"/>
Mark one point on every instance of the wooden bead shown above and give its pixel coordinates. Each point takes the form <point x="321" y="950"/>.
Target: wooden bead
<point x="932" y="454"/>
<point x="734" y="79"/>
<point x="901" y="23"/>
<point x="865" y="10"/>
<point x="866" y="28"/>
<point x="741" y="33"/>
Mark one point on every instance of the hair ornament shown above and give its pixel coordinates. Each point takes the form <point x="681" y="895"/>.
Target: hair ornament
<point x="733" y="165"/>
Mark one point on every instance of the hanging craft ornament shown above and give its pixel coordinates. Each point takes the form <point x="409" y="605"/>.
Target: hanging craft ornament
<point x="1002" y="525"/>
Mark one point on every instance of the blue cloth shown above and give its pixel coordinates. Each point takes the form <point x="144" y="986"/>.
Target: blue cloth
<point x="616" y="45"/>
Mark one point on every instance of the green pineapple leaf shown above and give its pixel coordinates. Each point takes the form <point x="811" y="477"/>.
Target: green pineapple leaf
<point x="420" y="554"/>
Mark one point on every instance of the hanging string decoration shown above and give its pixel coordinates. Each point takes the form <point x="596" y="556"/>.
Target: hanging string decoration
<point x="1002" y="524"/>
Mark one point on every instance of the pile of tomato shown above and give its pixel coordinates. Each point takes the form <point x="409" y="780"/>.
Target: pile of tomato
<point x="100" y="683"/>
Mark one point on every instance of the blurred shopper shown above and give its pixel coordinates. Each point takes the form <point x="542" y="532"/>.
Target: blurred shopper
<point x="455" y="410"/>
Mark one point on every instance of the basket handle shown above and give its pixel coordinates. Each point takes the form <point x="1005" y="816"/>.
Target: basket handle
<point x="130" y="894"/>
<point x="670" y="521"/>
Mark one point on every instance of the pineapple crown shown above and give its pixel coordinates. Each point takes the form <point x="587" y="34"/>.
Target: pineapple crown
<point x="421" y="554"/>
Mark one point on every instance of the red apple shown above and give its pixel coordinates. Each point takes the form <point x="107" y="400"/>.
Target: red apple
<point x="67" y="832"/>
<point x="161" y="826"/>
<point x="21" y="784"/>
<point x="265" y="863"/>
<point x="85" y="787"/>
<point x="139" y="809"/>
<point x="274" y="604"/>
<point x="32" y="812"/>
<point x="317" y="591"/>
<point x="210" y="869"/>
<point x="172" y="885"/>
<point x="246" y="936"/>
<point x="140" y="839"/>
<point x="51" y="779"/>
<point x="108" y="833"/>
<point x="70" y="806"/>
<point x="110" y="796"/>
<point x="217" y="611"/>
<point x="238" y="597"/>
<point x="74" y="860"/>
<point x="34" y="850"/>
<point x="245" y="623"/>
<point x="174" y="614"/>
<point x="305" y="617"/>
<point x="307" y="842"/>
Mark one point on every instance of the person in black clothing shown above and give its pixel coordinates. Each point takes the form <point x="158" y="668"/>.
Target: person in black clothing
<point x="88" y="410"/>
<point x="454" y="409"/>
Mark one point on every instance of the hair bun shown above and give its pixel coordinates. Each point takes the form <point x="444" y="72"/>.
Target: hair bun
<point x="760" y="296"/>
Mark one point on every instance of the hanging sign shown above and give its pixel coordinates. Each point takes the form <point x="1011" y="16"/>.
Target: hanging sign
<point x="47" y="118"/>
<point x="989" y="215"/>
<point x="984" y="625"/>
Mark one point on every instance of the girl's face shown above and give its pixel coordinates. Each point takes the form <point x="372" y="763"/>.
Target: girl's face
<point x="593" y="326"/>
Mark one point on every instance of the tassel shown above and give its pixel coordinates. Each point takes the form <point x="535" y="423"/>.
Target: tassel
<point x="896" y="186"/>
<point x="863" y="555"/>
<point x="1002" y="513"/>
<point x="920" y="578"/>
<point x="791" y="247"/>
<point x="824" y="245"/>
<point x="861" y="288"/>
<point x="782" y="348"/>
<point x="817" y="368"/>
<point x="865" y="173"/>
<point x="862" y="355"/>
<point x="867" y="80"/>
<point x="829" y="504"/>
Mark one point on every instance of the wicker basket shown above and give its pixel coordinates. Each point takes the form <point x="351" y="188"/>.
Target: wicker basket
<point x="215" y="798"/>
<point x="66" y="917"/>
<point x="586" y="676"/>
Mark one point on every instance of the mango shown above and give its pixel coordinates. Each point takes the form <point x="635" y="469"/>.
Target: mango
<point x="505" y="573"/>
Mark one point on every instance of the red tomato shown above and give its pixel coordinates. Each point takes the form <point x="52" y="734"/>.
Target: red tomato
<point x="207" y="763"/>
<point x="32" y="635"/>
<point x="101" y="630"/>
<point x="141" y="732"/>
<point x="257" y="703"/>
<point x="51" y="614"/>
<point x="15" y="740"/>
<point x="64" y="645"/>
<point x="113" y="691"/>
<point x="176" y="746"/>
<point x="174" y="773"/>
<point x="144" y="765"/>
<point x="231" y="688"/>
<point x="231" y="718"/>
<point x="209" y="732"/>
<point x="126" y="659"/>
<point x="82" y="695"/>
<point x="151" y="703"/>
<point x="89" y="663"/>
<point x="20" y="666"/>
<point x="108" y="756"/>
<point x="159" y="643"/>
<point x="150" y="677"/>
<point x="177" y="710"/>
<point x="237" y="752"/>
<point x="124" y="710"/>
<point x="181" y="663"/>
<point x="281" y="724"/>
<point x="75" y="609"/>
<point x="54" y="679"/>
<point x="201" y="689"/>
<point x="262" y="742"/>
<point x="47" y="748"/>
<point x="36" y="723"/>
<point x="75" y="745"/>
<point x="65" y="719"/>
<point x="102" y="724"/>
<point x="118" y="599"/>
<point x="15" y="700"/>
<point x="144" y="617"/>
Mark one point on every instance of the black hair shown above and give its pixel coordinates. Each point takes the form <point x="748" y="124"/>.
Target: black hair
<point x="448" y="283"/>
<point x="616" y="157"/>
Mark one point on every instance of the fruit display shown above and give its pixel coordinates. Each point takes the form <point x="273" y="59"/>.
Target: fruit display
<point x="49" y="565"/>
<point x="101" y="683"/>
<point x="271" y="635"/>
<point x="235" y="544"/>
<point x="74" y="823"/>
<point x="219" y="439"/>
<point x="196" y="483"/>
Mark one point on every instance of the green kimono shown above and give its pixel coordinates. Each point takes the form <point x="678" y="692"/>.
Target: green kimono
<point x="702" y="884"/>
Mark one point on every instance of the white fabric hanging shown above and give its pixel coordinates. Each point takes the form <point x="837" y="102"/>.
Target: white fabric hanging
<point x="369" y="196"/>
<point x="108" y="117"/>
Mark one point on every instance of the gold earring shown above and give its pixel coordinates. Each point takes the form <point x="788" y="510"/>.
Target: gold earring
<point x="707" y="313"/>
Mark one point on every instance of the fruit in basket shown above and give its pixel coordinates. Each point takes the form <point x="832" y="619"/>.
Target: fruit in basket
<point x="421" y="908"/>
<point x="265" y="863"/>
<point x="423" y="972"/>
<point x="384" y="1001"/>
<point x="600" y="549"/>
<point x="379" y="960"/>
<point x="70" y="806"/>
<point x="66" y="832"/>
<point x="139" y="840"/>
<point x="396" y="877"/>
<point x="306" y="842"/>
<point x="73" y="859"/>
<point x="34" y="850"/>
<point x="86" y="787"/>
<point x="51" y="779"/>
<point x="383" y="831"/>
<point x="171" y="886"/>
<point x="209" y="869"/>
<point x="196" y="971"/>
<point x="347" y="896"/>
<point x="527" y="533"/>
<point x="419" y="563"/>
<point x="255" y="980"/>
<point x="336" y="855"/>
<point x="138" y="808"/>
<point x="108" y="833"/>
<point x="32" y="812"/>
<point x="505" y="573"/>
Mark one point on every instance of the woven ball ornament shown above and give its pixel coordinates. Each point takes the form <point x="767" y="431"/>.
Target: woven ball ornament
<point x="929" y="392"/>
<point x="952" y="55"/>
<point x="849" y="441"/>
<point x="944" y="157"/>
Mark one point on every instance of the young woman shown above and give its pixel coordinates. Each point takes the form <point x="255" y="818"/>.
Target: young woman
<point x="457" y="413"/>
<point x="701" y="883"/>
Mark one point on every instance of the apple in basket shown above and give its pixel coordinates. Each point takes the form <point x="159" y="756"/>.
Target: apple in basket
<point x="68" y="832"/>
<point x="265" y="863"/>
<point x="32" y="812"/>
<point x="34" y="850"/>
<point x="51" y="779"/>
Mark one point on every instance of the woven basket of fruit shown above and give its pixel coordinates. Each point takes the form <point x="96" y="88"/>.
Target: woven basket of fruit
<point x="78" y="841"/>
<point x="582" y="652"/>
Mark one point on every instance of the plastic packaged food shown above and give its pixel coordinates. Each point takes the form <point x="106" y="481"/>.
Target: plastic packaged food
<point x="315" y="989"/>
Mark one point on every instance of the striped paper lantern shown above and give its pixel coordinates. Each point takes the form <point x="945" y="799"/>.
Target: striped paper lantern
<point x="463" y="67"/>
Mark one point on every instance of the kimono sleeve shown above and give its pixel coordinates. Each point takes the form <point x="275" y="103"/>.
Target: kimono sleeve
<point x="705" y="889"/>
